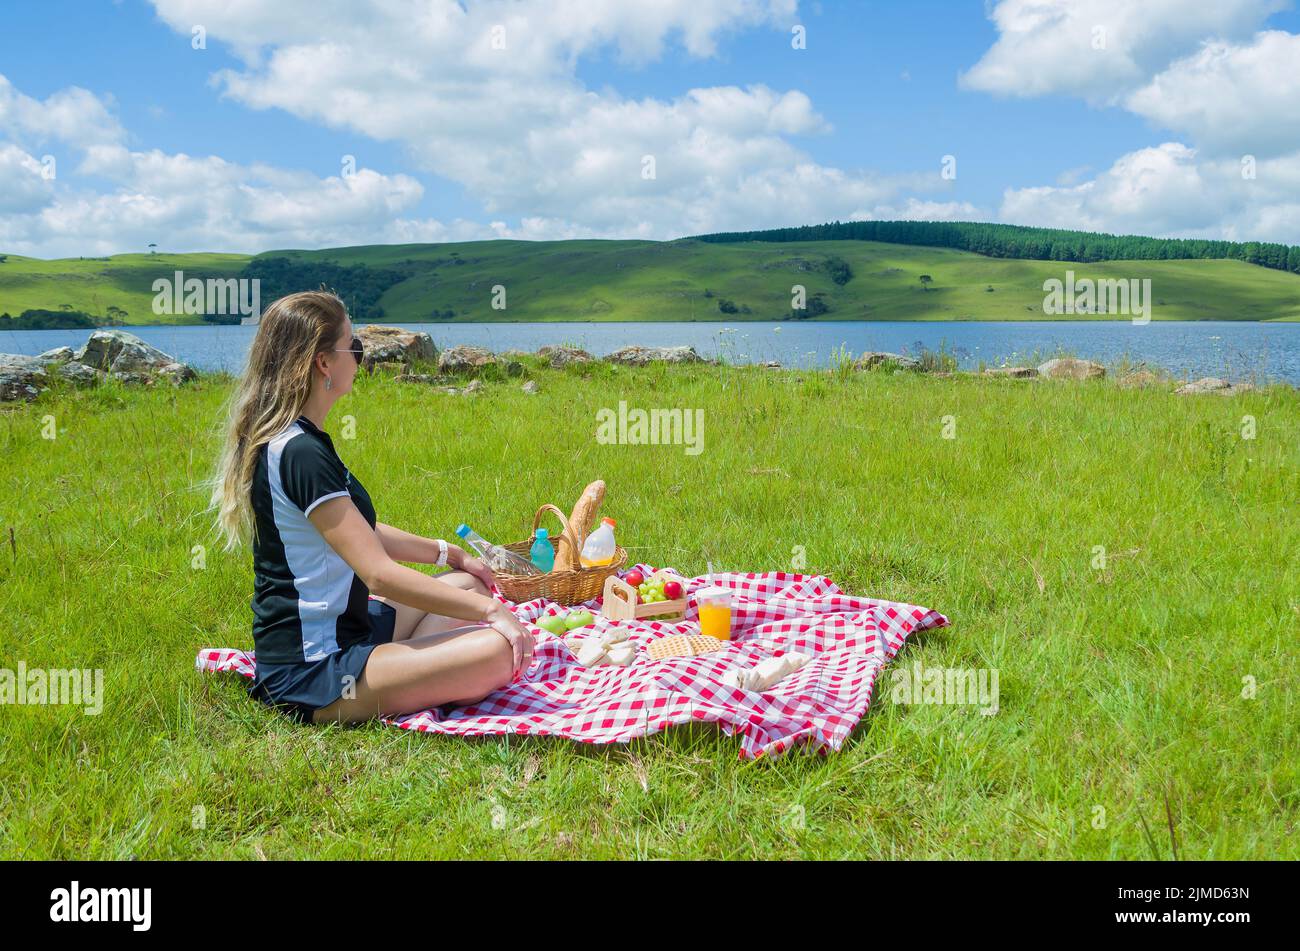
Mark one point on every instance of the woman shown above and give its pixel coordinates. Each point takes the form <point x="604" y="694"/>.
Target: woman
<point x="342" y="632"/>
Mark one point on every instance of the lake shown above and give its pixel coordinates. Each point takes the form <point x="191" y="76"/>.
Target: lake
<point x="1230" y="349"/>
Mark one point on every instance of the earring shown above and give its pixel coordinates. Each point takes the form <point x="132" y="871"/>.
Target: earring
<point x="329" y="384"/>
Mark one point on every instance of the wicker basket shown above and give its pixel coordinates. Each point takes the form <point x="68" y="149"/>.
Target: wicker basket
<point x="570" y="587"/>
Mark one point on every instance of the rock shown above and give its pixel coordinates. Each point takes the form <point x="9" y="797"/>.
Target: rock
<point x="1068" y="368"/>
<point x="394" y="345"/>
<point x="1212" y="384"/>
<point x="1139" y="379"/>
<point x="81" y="375"/>
<point x="420" y="378"/>
<point x="388" y="366"/>
<point x="873" y="359"/>
<point x="177" y="373"/>
<point x="514" y="368"/>
<point x="21" y="377"/>
<point x="57" y="355"/>
<point x="465" y="359"/>
<point x="474" y="387"/>
<point x="132" y="377"/>
<point x="640" y="356"/>
<point x="530" y="386"/>
<point x="1015" y="373"/>
<point x="122" y="352"/>
<point x="771" y="364"/>
<point x="563" y="356"/>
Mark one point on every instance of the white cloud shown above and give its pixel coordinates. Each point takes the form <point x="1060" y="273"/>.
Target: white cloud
<point x="72" y="116"/>
<point x="1168" y="190"/>
<point x="185" y="204"/>
<point x="519" y="131"/>
<point x="26" y="188"/>
<point x="1051" y="46"/>
<point x="1242" y="98"/>
<point x="1199" y="71"/>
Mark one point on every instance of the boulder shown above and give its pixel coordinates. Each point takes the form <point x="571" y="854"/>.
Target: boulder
<point x="121" y="352"/>
<point x="1139" y="379"/>
<point x="81" y="375"/>
<point x="21" y="377"/>
<point x="1212" y="384"/>
<point x="640" y="356"/>
<point x="1014" y="373"/>
<point x="55" y="356"/>
<point x="874" y="359"/>
<point x="1068" y="368"/>
<point x="394" y="345"/>
<point x="177" y="373"/>
<point x="530" y="386"/>
<point x="473" y="387"/>
<point x="563" y="356"/>
<point x="465" y="359"/>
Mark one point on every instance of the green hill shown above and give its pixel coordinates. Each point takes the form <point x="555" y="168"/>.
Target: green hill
<point x="687" y="279"/>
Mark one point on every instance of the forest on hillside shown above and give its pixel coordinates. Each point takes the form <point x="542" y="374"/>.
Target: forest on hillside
<point x="1018" y="241"/>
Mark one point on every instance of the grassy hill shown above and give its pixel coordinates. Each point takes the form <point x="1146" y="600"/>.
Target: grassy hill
<point x="673" y="280"/>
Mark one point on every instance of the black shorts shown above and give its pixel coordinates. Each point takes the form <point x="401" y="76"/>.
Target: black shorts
<point x="298" y="690"/>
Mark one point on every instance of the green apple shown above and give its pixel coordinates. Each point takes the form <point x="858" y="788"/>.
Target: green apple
<point x="576" y="619"/>
<point x="553" y="623"/>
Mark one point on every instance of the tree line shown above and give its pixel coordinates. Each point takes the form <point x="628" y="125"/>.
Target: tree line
<point x="1019" y="241"/>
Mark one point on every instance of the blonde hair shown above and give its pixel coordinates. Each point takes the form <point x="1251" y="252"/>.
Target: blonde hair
<point x="268" y="398"/>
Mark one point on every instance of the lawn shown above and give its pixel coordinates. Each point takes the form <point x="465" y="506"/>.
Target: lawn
<point x="1147" y="699"/>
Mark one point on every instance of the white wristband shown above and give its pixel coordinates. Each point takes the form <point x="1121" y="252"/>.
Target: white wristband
<point x="442" y="552"/>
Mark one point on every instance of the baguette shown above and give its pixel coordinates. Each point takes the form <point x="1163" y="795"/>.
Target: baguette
<point x="583" y="517"/>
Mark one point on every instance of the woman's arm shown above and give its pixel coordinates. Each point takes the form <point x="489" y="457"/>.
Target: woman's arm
<point x="403" y="546"/>
<point x="348" y="533"/>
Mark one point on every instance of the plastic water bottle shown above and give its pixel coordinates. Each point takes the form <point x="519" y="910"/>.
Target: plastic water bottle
<point x="598" y="549"/>
<point x="543" y="552"/>
<point x="496" y="557"/>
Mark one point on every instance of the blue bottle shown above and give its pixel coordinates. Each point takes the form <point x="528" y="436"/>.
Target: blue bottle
<point x="543" y="552"/>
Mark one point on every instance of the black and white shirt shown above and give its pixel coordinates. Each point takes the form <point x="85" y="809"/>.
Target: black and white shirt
<point x="307" y="602"/>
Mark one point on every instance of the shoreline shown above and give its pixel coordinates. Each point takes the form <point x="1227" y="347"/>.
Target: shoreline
<point x="1045" y="319"/>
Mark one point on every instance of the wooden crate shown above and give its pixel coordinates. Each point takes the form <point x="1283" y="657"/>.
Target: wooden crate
<point x="620" y="600"/>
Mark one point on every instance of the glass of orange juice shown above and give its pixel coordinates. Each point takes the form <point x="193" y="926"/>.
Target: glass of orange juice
<point x="715" y="612"/>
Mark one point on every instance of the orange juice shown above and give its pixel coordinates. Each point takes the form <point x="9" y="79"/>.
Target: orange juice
<point x="715" y="620"/>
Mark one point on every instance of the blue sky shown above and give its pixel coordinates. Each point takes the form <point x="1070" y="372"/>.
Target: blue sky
<point x="218" y="151"/>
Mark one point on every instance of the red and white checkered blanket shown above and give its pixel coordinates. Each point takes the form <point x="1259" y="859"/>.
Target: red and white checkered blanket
<point x="850" y="638"/>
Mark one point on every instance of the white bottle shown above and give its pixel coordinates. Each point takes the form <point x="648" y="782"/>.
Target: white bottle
<point x="598" y="549"/>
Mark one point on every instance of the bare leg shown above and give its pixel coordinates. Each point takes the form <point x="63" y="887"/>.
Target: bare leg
<point x="413" y="622"/>
<point x="429" y="671"/>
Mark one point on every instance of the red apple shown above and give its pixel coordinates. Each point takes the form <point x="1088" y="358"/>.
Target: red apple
<point x="634" y="577"/>
<point x="672" y="590"/>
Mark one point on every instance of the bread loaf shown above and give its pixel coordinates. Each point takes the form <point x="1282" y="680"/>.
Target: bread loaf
<point x="581" y="521"/>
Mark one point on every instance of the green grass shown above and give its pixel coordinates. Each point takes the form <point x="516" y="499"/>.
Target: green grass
<point x="1120" y="689"/>
<point x="652" y="281"/>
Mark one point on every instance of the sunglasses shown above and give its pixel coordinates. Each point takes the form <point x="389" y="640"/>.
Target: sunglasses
<point x="357" y="349"/>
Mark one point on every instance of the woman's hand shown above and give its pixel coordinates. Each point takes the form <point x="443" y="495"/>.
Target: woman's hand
<point x="521" y="639"/>
<point x="461" y="560"/>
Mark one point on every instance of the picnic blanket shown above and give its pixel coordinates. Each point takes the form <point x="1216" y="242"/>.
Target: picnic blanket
<point x="851" y="639"/>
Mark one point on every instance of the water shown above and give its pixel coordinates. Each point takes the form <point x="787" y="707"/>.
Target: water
<point x="1229" y="349"/>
